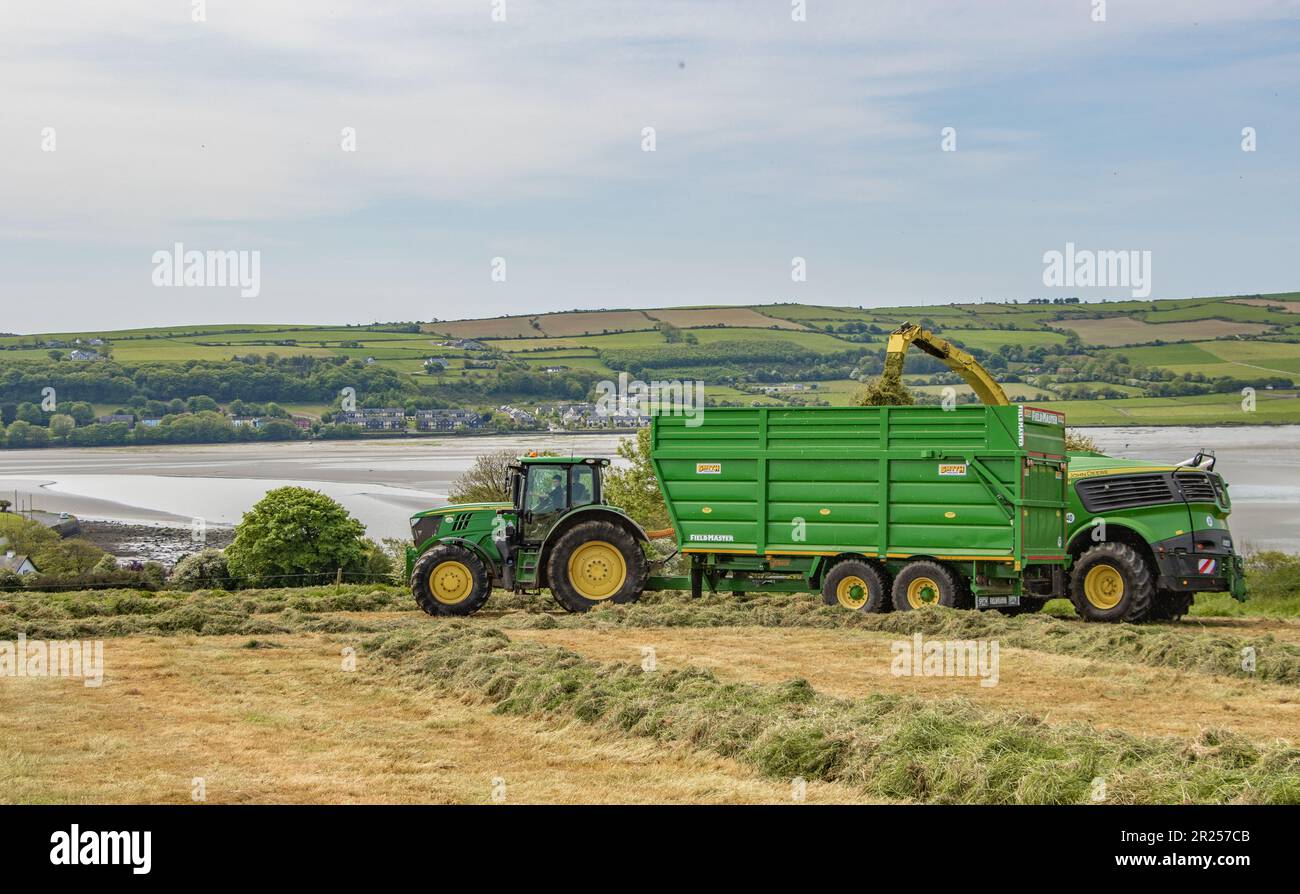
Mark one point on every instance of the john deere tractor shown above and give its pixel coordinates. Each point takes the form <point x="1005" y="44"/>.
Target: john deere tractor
<point x="555" y="532"/>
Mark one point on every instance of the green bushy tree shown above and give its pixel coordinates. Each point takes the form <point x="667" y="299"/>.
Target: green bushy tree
<point x="293" y="536"/>
<point x="204" y="570"/>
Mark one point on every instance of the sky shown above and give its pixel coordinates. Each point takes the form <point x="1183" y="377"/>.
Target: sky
<point x="379" y="157"/>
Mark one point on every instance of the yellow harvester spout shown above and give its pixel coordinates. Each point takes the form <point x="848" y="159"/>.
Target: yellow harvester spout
<point x="966" y="366"/>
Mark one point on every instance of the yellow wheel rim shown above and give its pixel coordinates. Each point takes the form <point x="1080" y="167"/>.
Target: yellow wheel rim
<point x="1103" y="586"/>
<point x="450" y="582"/>
<point x="922" y="591"/>
<point x="851" y="592"/>
<point x="597" y="570"/>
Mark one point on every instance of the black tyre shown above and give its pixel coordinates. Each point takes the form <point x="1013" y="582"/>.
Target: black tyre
<point x="924" y="583"/>
<point x="1112" y="582"/>
<point x="450" y="580"/>
<point x="1170" y="606"/>
<point x="856" y="585"/>
<point x="594" y="563"/>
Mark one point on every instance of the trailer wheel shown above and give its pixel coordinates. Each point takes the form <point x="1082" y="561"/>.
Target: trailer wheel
<point x="1111" y="582"/>
<point x="450" y="580"/>
<point x="593" y="563"/>
<point x="924" y="583"/>
<point x="856" y="585"/>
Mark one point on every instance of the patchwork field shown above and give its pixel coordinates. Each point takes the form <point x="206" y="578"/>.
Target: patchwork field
<point x="721" y="700"/>
<point x="1116" y="331"/>
<point x="1291" y="307"/>
<point x="1220" y="358"/>
<point x="743" y="317"/>
<point x="1193" y="340"/>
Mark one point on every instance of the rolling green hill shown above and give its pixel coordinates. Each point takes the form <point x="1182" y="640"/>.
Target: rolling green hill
<point x="1153" y="362"/>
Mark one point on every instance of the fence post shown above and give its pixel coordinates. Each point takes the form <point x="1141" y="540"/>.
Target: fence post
<point x="338" y="581"/>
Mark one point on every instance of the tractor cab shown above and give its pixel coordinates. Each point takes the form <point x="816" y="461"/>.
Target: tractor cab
<point x="543" y="489"/>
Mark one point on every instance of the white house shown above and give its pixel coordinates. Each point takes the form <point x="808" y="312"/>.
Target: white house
<point x="20" y="564"/>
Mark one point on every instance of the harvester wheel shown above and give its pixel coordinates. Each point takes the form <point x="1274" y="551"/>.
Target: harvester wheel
<point x="1112" y="582"/>
<point x="450" y="580"/>
<point x="924" y="583"/>
<point x="856" y="585"/>
<point x="594" y="563"/>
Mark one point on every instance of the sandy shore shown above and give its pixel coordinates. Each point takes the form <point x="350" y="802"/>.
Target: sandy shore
<point x="380" y="482"/>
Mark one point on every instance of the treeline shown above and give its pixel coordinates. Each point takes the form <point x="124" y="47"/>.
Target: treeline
<point x="253" y="378"/>
<point x="205" y="427"/>
<point x="727" y="359"/>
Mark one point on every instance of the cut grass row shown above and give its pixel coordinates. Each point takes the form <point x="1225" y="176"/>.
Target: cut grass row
<point x="268" y="612"/>
<point x="897" y="747"/>
<point x="1152" y="645"/>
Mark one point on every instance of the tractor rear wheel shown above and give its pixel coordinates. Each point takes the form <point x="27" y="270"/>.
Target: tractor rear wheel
<point x="856" y="585"/>
<point x="1112" y="582"/>
<point x="594" y="563"/>
<point x="450" y="580"/>
<point x="924" y="583"/>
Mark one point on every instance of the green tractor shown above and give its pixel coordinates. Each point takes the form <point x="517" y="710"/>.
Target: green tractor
<point x="555" y="532"/>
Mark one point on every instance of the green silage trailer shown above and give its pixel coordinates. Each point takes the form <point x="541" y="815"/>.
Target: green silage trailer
<point x="875" y="507"/>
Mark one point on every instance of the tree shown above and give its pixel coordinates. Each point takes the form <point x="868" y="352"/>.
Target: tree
<point x="82" y="412"/>
<point x="24" y="434"/>
<point x="295" y="534"/>
<point x="1077" y="442"/>
<point x="485" y="481"/>
<point x="30" y="413"/>
<point x="61" y="426"/>
<point x="635" y="489"/>
<point x="204" y="570"/>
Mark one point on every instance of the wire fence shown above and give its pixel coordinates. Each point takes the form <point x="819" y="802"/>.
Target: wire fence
<point x="261" y="582"/>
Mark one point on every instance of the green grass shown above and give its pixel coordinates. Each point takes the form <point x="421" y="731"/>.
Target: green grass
<point x="1156" y="645"/>
<point x="897" y="747"/>
<point x="1271" y="408"/>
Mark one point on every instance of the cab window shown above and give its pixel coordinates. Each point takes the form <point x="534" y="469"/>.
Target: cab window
<point x="546" y="486"/>
<point x="582" y="485"/>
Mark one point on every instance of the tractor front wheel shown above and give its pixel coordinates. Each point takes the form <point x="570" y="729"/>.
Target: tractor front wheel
<point x="450" y="580"/>
<point x="594" y="563"/>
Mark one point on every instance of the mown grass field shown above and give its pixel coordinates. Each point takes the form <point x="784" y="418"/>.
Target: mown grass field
<point x="253" y="693"/>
